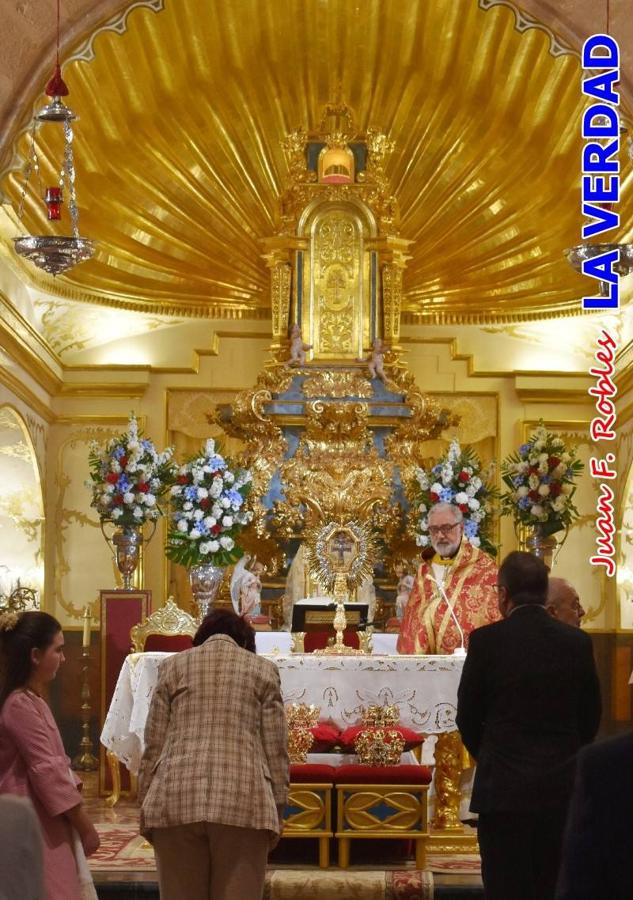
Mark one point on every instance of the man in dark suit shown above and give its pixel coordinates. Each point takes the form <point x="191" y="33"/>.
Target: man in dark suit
<point x="528" y="699"/>
<point x="597" y="847"/>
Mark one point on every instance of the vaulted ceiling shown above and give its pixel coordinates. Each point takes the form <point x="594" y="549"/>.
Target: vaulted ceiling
<point x="182" y="107"/>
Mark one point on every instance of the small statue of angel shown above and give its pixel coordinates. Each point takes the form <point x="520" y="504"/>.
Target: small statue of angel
<point x="375" y="360"/>
<point x="404" y="588"/>
<point x="297" y="347"/>
<point x="246" y="586"/>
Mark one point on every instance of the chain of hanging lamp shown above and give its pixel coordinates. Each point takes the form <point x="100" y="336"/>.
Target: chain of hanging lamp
<point x="54" y="253"/>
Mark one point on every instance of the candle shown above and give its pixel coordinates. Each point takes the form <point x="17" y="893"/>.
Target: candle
<point x="87" y="618"/>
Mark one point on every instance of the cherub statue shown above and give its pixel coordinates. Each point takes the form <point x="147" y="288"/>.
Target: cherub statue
<point x="297" y="347"/>
<point x="375" y="360"/>
<point x="246" y="586"/>
<point x="404" y="588"/>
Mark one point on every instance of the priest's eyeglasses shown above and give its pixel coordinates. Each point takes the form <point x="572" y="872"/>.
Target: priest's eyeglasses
<point x="444" y="530"/>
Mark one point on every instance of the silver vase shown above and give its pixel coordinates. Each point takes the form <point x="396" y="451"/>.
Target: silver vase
<point x="127" y="545"/>
<point x="205" y="580"/>
<point x="541" y="545"/>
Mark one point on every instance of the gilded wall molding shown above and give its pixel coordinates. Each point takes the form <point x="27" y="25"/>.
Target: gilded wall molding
<point x="19" y="390"/>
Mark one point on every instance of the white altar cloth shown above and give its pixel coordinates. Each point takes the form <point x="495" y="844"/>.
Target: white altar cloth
<point x="424" y="688"/>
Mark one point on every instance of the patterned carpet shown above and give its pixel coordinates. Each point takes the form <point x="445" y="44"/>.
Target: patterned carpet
<point x="122" y="850"/>
<point x="349" y="885"/>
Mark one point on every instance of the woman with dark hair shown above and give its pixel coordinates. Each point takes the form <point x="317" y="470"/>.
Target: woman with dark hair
<point x="214" y="775"/>
<point x="33" y="763"/>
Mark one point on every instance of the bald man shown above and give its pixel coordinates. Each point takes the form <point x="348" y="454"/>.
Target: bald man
<point x="563" y="602"/>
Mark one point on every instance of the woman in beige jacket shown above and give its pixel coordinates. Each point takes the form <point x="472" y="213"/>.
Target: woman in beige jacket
<point x="214" y="775"/>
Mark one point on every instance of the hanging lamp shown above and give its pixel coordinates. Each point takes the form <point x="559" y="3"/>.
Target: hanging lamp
<point x="52" y="252"/>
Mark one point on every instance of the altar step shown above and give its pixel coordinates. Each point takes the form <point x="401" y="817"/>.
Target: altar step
<point x="331" y="885"/>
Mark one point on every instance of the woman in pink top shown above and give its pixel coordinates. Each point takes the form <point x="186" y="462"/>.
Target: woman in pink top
<point x="33" y="763"/>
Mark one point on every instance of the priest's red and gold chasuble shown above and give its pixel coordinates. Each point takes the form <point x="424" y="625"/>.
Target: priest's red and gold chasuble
<point x="469" y="584"/>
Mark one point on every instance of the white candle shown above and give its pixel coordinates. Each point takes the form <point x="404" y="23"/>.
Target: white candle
<point x="87" y="618"/>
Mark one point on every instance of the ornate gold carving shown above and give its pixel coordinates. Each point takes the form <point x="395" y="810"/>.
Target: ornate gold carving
<point x="311" y="809"/>
<point x="426" y="422"/>
<point x="169" y="620"/>
<point x="337" y="385"/>
<point x="449" y="754"/>
<point x="336" y="261"/>
<point x="379" y="747"/>
<point x="336" y="473"/>
<point x="406" y="815"/>
<point x="280" y="281"/>
<point x="297" y="640"/>
<point x="264" y="450"/>
<point x="301" y="718"/>
<point x="381" y="715"/>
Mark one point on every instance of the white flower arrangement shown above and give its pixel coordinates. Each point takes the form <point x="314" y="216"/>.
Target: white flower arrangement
<point x="128" y="476"/>
<point x="208" y="510"/>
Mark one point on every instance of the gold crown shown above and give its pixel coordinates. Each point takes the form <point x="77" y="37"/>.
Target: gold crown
<point x="380" y="715"/>
<point x="379" y="747"/>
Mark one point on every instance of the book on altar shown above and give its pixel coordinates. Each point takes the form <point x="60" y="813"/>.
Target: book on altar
<point x="317" y="614"/>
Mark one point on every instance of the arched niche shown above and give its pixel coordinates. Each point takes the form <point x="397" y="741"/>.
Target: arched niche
<point x="21" y="506"/>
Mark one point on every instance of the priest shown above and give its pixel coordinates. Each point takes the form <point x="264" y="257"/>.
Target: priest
<point x="454" y="591"/>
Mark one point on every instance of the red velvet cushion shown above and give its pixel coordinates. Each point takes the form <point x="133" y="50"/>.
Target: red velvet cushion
<point x="326" y="737"/>
<point x="311" y="773"/>
<point x="411" y="738"/>
<point x="317" y="640"/>
<point x="357" y="774"/>
<point x="168" y="643"/>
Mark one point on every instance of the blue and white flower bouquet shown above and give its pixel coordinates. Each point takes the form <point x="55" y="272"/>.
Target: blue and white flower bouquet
<point x="456" y="478"/>
<point x="128" y="476"/>
<point x="208" y="510"/>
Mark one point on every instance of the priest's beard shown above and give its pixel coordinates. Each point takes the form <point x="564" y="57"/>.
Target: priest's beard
<point x="446" y="547"/>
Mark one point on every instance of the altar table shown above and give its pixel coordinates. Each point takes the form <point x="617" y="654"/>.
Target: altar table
<point x="424" y="688"/>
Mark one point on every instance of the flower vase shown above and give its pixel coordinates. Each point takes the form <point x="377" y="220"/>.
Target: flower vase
<point x="127" y="545"/>
<point x="542" y="545"/>
<point x="205" y="580"/>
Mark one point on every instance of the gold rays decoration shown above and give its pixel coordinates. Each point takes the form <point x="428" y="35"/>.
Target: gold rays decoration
<point x="180" y="163"/>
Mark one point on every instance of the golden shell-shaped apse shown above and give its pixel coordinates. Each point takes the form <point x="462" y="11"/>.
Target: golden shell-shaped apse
<point x="180" y="165"/>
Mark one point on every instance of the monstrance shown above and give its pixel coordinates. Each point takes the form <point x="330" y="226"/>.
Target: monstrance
<point x="340" y="557"/>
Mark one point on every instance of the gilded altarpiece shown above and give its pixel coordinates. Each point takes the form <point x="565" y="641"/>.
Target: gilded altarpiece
<point x="338" y="316"/>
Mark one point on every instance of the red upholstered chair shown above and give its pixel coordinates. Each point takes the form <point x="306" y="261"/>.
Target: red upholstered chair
<point x="120" y="610"/>
<point x="382" y="802"/>
<point x="168" y="630"/>
<point x="308" y="812"/>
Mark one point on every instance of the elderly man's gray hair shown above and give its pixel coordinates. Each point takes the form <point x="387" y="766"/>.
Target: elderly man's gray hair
<point x="448" y="507"/>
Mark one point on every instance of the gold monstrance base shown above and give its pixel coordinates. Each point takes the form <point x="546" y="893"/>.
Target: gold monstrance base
<point x="340" y="624"/>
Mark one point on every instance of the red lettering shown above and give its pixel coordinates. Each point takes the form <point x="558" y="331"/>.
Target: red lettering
<point x="602" y="430"/>
<point x="607" y="359"/>
<point x="605" y="523"/>
<point x="604" y="386"/>
<point x="607" y="341"/>
<point x="605" y="561"/>
<point x="600" y="467"/>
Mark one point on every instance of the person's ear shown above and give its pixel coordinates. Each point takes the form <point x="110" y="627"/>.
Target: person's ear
<point x="36" y="655"/>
